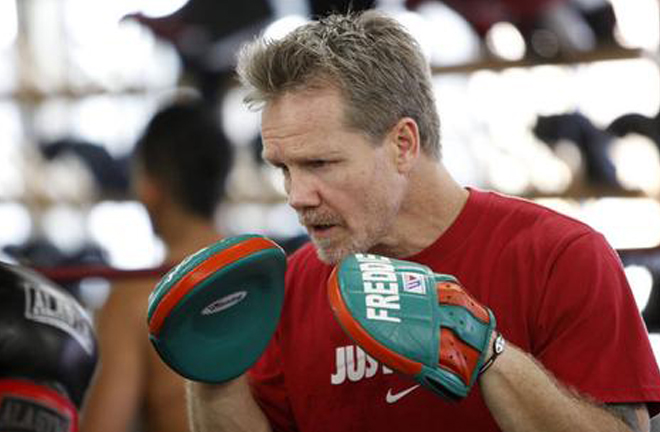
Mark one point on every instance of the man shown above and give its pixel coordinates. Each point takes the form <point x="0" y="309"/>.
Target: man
<point x="181" y="164"/>
<point x="349" y="117"/>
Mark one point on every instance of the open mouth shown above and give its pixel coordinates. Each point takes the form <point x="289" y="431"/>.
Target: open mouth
<point x="320" y="229"/>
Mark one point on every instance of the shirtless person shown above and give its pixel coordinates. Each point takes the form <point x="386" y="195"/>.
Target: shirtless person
<point x="180" y="167"/>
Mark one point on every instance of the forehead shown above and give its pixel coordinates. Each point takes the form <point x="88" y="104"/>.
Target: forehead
<point x="303" y="121"/>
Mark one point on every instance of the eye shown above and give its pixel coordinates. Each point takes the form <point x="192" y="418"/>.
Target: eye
<point x="318" y="163"/>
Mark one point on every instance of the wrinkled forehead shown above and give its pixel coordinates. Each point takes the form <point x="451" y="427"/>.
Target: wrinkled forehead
<point x="297" y="122"/>
<point x="305" y="102"/>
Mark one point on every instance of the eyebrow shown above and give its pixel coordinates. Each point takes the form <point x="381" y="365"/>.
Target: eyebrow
<point x="325" y="154"/>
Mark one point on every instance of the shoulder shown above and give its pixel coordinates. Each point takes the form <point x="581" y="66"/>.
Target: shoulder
<point x="513" y="230"/>
<point x="531" y="213"/>
<point x="527" y="221"/>
<point x="126" y="304"/>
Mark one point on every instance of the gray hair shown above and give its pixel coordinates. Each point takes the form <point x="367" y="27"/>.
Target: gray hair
<point x="378" y="66"/>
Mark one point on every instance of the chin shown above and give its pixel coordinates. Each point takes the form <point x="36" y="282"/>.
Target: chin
<point x="334" y="255"/>
<point x="329" y="256"/>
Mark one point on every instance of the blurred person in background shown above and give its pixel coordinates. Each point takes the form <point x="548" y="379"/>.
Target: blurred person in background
<point x="179" y="169"/>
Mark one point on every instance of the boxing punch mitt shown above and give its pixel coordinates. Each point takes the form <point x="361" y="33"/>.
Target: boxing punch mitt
<point x="211" y="316"/>
<point x="48" y="353"/>
<point x="414" y="321"/>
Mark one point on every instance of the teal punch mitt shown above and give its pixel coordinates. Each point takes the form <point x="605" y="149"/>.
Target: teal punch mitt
<point x="415" y="321"/>
<point x="211" y="316"/>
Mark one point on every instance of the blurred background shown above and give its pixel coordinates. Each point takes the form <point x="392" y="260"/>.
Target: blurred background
<point x="556" y="101"/>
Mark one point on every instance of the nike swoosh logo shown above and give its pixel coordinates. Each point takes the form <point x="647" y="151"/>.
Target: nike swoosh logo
<point x="393" y="397"/>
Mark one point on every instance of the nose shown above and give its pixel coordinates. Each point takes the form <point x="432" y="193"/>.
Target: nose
<point x="302" y="191"/>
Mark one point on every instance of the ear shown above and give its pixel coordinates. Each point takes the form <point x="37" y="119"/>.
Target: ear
<point x="405" y="142"/>
<point x="148" y="191"/>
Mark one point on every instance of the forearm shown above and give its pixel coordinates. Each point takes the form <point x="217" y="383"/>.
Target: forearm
<point x="522" y="396"/>
<point x="227" y="407"/>
<point x="110" y="407"/>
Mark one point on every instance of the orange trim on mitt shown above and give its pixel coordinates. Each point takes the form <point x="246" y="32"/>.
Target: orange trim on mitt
<point x="359" y="334"/>
<point x="198" y="274"/>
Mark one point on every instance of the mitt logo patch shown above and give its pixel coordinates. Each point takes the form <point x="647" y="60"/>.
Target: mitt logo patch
<point x="413" y="283"/>
<point x="49" y="306"/>
<point x="224" y="303"/>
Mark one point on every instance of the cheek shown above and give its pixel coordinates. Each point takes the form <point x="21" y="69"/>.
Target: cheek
<point x="359" y="194"/>
<point x="382" y="202"/>
<point x="365" y="198"/>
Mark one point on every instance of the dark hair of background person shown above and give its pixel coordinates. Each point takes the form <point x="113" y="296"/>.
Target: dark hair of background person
<point x="185" y="147"/>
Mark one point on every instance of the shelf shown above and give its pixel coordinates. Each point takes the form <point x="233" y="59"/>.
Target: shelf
<point x="35" y="96"/>
<point x="587" y="57"/>
<point x="582" y="192"/>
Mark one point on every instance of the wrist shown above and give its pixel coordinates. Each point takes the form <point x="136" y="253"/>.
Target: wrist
<point x="495" y="348"/>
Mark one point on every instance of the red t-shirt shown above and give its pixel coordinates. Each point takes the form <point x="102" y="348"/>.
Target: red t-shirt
<point x="557" y="291"/>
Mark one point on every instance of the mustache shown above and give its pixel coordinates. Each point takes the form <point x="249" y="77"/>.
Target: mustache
<point x="316" y="217"/>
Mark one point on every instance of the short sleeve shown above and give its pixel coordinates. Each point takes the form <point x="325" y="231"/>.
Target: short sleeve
<point x="268" y="386"/>
<point x="589" y="332"/>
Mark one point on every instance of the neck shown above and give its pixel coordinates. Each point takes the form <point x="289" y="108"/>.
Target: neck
<point x="184" y="234"/>
<point x="433" y="202"/>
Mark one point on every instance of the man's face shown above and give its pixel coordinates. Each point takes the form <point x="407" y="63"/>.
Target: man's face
<point x="345" y="189"/>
